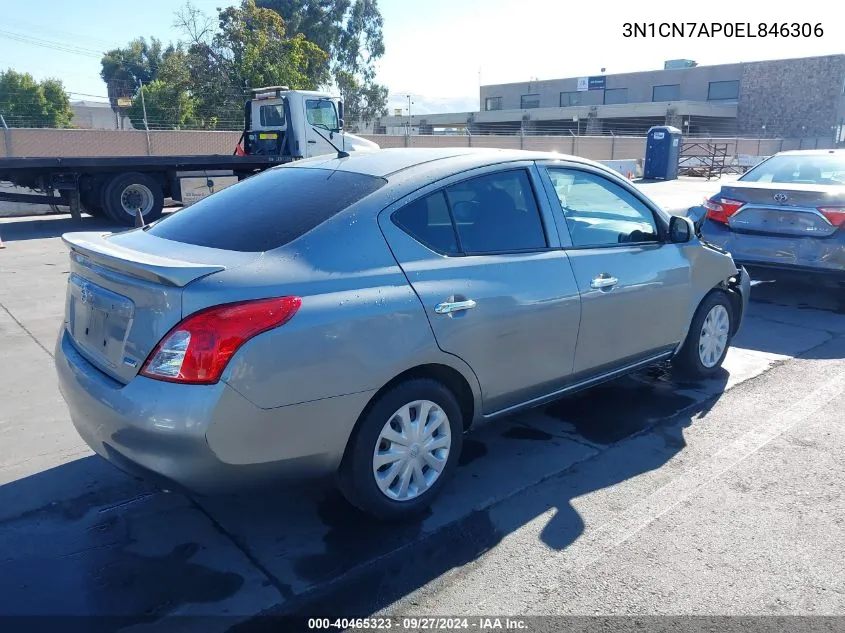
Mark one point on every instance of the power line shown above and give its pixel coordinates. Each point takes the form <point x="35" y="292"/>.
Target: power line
<point x="58" y="46"/>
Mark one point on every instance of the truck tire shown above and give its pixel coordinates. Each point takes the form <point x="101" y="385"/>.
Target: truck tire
<point x="92" y="202"/>
<point x="127" y="192"/>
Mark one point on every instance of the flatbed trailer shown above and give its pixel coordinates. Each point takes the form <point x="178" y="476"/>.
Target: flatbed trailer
<point x="117" y="186"/>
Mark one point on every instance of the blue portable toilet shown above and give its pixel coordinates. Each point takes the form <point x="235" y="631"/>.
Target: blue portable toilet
<point x="662" y="153"/>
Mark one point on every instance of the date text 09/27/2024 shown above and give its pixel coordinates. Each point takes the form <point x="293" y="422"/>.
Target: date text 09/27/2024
<point x="481" y="624"/>
<point x="722" y="29"/>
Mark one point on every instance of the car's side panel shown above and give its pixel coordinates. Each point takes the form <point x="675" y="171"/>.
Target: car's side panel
<point x="359" y="326"/>
<point x="520" y="336"/>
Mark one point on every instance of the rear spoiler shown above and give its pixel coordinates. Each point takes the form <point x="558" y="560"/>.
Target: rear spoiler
<point x="93" y="249"/>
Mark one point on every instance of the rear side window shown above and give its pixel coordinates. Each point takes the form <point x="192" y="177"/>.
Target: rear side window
<point x="427" y="220"/>
<point x="268" y="210"/>
<point x="497" y="213"/>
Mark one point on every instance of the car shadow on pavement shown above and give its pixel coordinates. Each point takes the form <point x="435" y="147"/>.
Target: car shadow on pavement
<point x="365" y="566"/>
<point x="82" y="538"/>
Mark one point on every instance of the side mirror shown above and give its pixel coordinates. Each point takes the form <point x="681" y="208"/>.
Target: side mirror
<point x="697" y="214"/>
<point x="339" y="124"/>
<point x="340" y="113"/>
<point x="681" y="229"/>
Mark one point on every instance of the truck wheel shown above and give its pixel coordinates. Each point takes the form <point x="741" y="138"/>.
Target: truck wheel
<point x="92" y="202"/>
<point x="128" y="192"/>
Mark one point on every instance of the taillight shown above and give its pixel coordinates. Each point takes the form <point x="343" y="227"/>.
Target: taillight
<point x="720" y="209"/>
<point x="198" y="349"/>
<point x="834" y="215"/>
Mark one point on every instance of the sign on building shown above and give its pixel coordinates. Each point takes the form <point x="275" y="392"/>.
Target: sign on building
<point x="591" y="83"/>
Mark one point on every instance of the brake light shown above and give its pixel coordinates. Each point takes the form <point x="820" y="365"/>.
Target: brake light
<point x="834" y="215"/>
<point x="197" y="350"/>
<point x="720" y="209"/>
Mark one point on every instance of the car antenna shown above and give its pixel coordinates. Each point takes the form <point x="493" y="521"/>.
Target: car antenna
<point x="341" y="153"/>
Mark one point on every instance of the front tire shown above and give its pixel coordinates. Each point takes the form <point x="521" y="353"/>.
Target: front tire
<point x="708" y="339"/>
<point x="403" y="450"/>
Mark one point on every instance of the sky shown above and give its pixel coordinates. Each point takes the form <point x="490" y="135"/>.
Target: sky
<point x="438" y="51"/>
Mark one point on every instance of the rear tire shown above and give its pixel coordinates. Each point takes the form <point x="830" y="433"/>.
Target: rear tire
<point x="708" y="339"/>
<point x="127" y="192"/>
<point x="398" y="478"/>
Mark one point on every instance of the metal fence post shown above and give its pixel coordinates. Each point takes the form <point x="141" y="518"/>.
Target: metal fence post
<point x="612" y="145"/>
<point x="7" y="137"/>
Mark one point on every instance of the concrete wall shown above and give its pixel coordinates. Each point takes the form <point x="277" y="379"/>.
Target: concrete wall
<point x="49" y="142"/>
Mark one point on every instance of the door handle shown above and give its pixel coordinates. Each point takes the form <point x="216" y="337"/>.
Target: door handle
<point x="447" y="307"/>
<point x="312" y="141"/>
<point x="604" y="281"/>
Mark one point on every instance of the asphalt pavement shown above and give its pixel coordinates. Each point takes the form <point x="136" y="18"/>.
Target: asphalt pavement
<point x="644" y="496"/>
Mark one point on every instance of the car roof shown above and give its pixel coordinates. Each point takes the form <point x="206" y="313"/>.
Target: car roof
<point x="384" y="163"/>
<point x="812" y="152"/>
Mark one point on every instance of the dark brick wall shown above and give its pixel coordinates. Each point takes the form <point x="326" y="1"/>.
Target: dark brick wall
<point x="786" y="94"/>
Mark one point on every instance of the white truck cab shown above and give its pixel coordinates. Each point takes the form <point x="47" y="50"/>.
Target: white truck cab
<point x="296" y="124"/>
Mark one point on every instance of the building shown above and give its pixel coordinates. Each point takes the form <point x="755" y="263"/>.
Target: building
<point x="96" y="115"/>
<point x="790" y="98"/>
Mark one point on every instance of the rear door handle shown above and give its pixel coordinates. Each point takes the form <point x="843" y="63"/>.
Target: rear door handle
<point x="312" y="141"/>
<point x="604" y="281"/>
<point x="447" y="307"/>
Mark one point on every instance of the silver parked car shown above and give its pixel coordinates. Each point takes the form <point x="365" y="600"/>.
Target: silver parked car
<point x="355" y="316"/>
<point x="785" y="214"/>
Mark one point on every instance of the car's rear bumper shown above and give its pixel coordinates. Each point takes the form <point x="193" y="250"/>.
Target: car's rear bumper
<point x="205" y="438"/>
<point x="804" y="255"/>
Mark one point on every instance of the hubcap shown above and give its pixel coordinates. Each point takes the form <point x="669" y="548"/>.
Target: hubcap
<point x="137" y="196"/>
<point x="714" y="336"/>
<point x="412" y="450"/>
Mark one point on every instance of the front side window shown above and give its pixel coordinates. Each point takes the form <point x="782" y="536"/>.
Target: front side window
<point x="321" y="113"/>
<point x="599" y="212"/>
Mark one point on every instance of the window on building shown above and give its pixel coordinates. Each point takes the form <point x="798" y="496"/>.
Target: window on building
<point x="493" y="103"/>
<point x="529" y="101"/>
<point x="723" y="91"/>
<point x="670" y="92"/>
<point x="616" y="95"/>
<point x="570" y="99"/>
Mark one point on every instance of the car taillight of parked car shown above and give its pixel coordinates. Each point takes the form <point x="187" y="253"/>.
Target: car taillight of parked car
<point x="197" y="350"/>
<point x="720" y="209"/>
<point x="834" y="215"/>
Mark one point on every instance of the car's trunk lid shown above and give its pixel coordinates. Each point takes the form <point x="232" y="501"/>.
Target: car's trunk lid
<point x="783" y="208"/>
<point x="125" y="291"/>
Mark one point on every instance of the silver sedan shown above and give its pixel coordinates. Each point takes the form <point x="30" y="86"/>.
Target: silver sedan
<point x="786" y="215"/>
<point x="356" y="316"/>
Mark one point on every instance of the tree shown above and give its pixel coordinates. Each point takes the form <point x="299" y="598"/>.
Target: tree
<point x="250" y="48"/>
<point x="125" y="69"/>
<point x="351" y="32"/>
<point x="168" y="99"/>
<point x="27" y="103"/>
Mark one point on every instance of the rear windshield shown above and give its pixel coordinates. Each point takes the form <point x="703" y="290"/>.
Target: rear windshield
<point x="266" y="211"/>
<point x="800" y="169"/>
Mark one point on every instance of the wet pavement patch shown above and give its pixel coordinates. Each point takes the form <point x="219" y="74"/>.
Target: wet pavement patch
<point x="471" y="450"/>
<point x="611" y="412"/>
<point x="526" y="433"/>
<point x="352" y="538"/>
